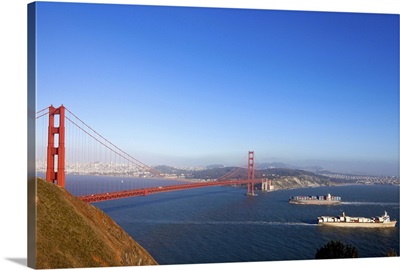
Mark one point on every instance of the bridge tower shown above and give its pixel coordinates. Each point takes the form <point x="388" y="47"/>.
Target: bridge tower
<point x="56" y="147"/>
<point x="250" y="174"/>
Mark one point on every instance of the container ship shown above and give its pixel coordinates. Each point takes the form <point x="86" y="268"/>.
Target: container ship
<point x="347" y="221"/>
<point x="319" y="200"/>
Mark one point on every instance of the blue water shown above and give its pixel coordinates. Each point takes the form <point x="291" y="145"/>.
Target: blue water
<point x="221" y="224"/>
<point x="80" y="185"/>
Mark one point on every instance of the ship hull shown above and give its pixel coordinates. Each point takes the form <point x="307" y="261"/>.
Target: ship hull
<point x="315" y="202"/>
<point x="389" y="224"/>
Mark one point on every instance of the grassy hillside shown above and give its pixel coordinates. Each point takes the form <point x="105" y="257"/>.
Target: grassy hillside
<point x="71" y="233"/>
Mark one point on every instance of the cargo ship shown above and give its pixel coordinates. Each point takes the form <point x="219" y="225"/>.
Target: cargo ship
<point x="347" y="221"/>
<point x="319" y="200"/>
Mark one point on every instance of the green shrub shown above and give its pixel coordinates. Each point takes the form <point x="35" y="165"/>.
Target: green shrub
<point x="336" y="250"/>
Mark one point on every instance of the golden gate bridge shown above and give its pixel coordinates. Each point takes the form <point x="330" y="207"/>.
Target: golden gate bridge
<point x="66" y="146"/>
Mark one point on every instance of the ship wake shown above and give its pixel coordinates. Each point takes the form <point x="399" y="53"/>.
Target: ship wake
<point x="228" y="222"/>
<point x="372" y="203"/>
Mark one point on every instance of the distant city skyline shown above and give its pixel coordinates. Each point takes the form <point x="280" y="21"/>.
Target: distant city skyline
<point x="197" y="86"/>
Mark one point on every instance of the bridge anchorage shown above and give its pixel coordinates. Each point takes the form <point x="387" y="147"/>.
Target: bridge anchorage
<point x="56" y="166"/>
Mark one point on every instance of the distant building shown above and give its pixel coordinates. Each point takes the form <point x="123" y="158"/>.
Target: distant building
<point x="267" y="185"/>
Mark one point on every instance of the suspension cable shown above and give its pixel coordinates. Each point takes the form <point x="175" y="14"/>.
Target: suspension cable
<point x="131" y="159"/>
<point x="142" y="164"/>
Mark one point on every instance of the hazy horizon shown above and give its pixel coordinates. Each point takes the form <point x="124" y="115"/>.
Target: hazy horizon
<point x="350" y="167"/>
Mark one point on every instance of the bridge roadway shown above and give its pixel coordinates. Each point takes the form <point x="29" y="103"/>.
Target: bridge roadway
<point x="147" y="191"/>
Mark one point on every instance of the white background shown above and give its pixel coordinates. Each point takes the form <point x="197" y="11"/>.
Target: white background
<point x="13" y="125"/>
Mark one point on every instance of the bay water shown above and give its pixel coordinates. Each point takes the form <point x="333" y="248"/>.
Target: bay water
<point x="221" y="224"/>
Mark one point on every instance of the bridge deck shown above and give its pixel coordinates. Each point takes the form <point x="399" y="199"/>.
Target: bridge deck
<point x="147" y="191"/>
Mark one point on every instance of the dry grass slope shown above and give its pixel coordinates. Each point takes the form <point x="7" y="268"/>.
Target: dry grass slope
<point x="71" y="233"/>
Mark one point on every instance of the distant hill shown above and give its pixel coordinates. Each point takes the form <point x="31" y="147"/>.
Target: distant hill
<point x="74" y="234"/>
<point x="280" y="165"/>
<point x="215" y="166"/>
<point x="283" y="178"/>
<point x="217" y="172"/>
<point x="289" y="178"/>
<point x="263" y="166"/>
<point x="169" y="169"/>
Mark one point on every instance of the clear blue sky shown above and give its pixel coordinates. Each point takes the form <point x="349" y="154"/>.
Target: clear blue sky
<point x="198" y="86"/>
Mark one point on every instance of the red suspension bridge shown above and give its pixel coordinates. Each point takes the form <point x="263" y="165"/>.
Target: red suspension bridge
<point x="69" y="149"/>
